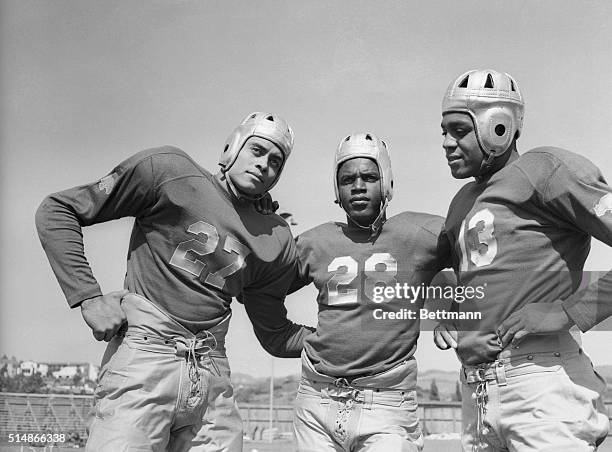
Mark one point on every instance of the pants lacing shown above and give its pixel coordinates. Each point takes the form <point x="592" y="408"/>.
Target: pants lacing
<point x="194" y="351"/>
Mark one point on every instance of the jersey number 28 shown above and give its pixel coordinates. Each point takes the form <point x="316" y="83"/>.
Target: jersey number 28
<point x="378" y="268"/>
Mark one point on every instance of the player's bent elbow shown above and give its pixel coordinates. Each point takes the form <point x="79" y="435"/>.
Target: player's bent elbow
<point x="41" y="217"/>
<point x="278" y="349"/>
<point x="282" y="353"/>
<point x="273" y="350"/>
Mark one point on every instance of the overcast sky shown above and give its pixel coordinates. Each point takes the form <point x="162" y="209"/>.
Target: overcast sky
<point x="84" y="84"/>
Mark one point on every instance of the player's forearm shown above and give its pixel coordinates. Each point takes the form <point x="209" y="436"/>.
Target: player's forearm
<point x="592" y="305"/>
<point x="60" y="234"/>
<point x="285" y="342"/>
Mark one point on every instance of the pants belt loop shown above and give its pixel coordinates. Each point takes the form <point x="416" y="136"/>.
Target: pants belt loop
<point x="368" y="399"/>
<point x="324" y="396"/>
<point x="500" y="373"/>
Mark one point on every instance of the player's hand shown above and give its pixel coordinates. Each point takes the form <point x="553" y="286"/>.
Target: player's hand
<point x="104" y="314"/>
<point x="533" y="318"/>
<point x="445" y="336"/>
<point x="265" y="205"/>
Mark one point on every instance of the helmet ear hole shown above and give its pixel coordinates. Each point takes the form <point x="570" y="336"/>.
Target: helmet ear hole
<point x="270" y="118"/>
<point x="500" y="130"/>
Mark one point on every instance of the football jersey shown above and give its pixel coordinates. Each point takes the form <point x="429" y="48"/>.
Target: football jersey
<point x="193" y="246"/>
<point x="346" y="265"/>
<point x="523" y="236"/>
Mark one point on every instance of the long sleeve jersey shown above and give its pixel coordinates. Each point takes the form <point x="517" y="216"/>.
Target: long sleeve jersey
<point x="355" y="336"/>
<point x="524" y="235"/>
<point x="193" y="247"/>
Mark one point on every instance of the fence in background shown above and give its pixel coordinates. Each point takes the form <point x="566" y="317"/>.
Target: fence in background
<point x="45" y="413"/>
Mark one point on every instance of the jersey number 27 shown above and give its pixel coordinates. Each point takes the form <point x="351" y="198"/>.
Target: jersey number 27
<point x="189" y="255"/>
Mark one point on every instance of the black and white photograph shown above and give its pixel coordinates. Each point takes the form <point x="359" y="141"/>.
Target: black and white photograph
<point x="282" y="226"/>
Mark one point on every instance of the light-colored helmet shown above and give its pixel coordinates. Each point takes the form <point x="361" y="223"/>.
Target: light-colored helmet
<point x="370" y="146"/>
<point x="494" y="102"/>
<point x="264" y="125"/>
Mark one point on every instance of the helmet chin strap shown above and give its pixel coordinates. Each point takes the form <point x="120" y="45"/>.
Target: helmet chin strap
<point x="378" y="222"/>
<point x="236" y="193"/>
<point x="486" y="165"/>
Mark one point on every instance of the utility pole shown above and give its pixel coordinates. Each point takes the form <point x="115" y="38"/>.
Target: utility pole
<point x="271" y="409"/>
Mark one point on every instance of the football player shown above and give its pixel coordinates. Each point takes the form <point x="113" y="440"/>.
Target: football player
<point x="196" y="243"/>
<point x="522" y="229"/>
<point x="358" y="384"/>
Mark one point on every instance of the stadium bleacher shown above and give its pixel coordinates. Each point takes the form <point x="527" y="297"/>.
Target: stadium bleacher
<point x="43" y="413"/>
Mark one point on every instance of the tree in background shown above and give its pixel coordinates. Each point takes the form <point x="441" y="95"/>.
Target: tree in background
<point x="457" y="397"/>
<point x="77" y="380"/>
<point x="33" y="384"/>
<point x="20" y="383"/>
<point x="434" y="394"/>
